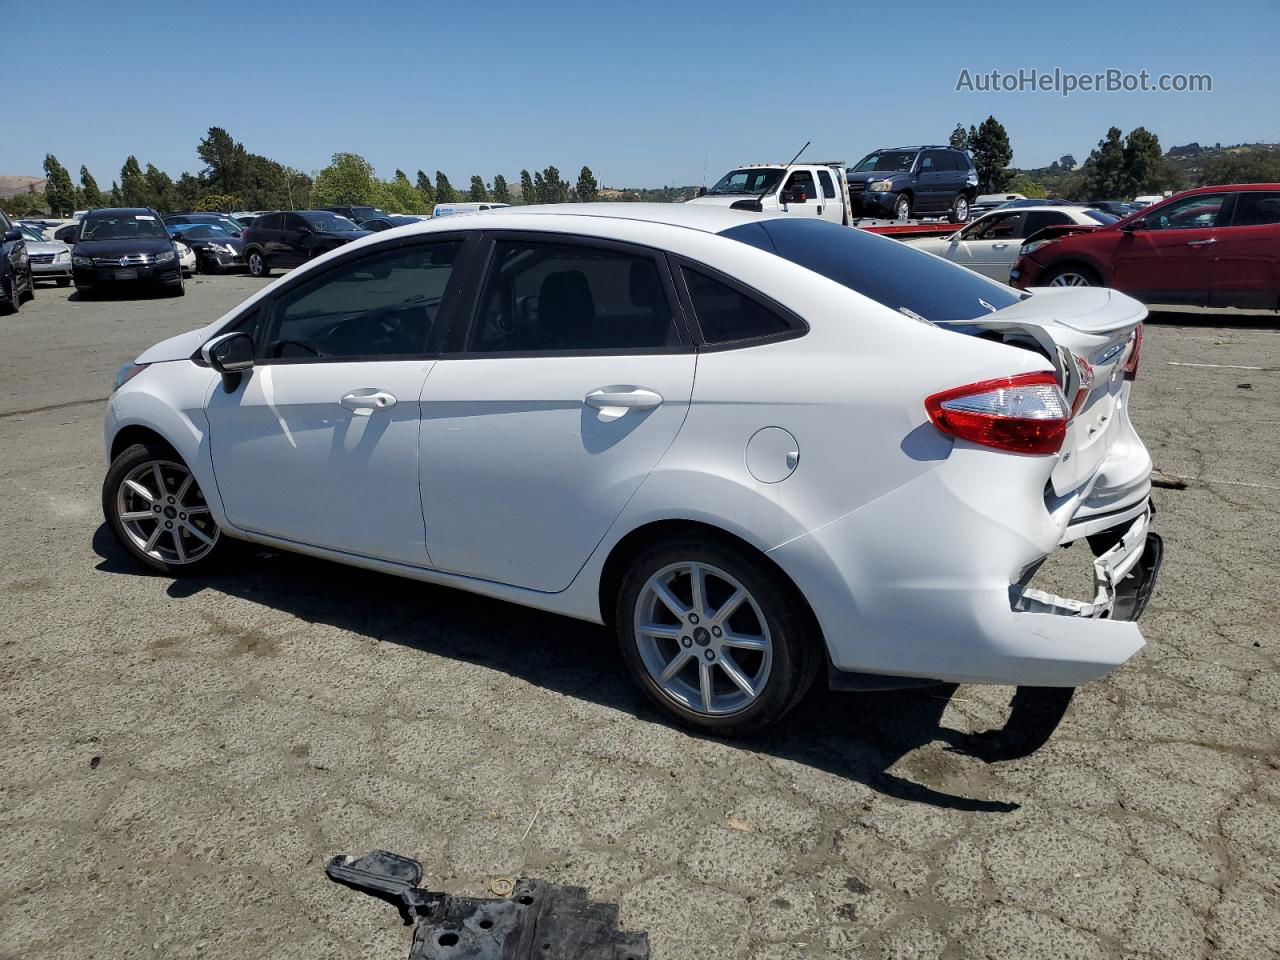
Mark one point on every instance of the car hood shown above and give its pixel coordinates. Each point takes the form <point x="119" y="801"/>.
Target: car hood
<point x="121" y="248"/>
<point x="180" y="347"/>
<point x="938" y="245"/>
<point x="46" y="246"/>
<point x="726" y="201"/>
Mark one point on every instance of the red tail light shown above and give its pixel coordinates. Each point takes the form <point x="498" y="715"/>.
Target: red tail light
<point x="1022" y="414"/>
<point x="1131" y="365"/>
<point x="1084" y="376"/>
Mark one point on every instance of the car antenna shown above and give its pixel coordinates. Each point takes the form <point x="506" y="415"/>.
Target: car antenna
<point x="760" y="199"/>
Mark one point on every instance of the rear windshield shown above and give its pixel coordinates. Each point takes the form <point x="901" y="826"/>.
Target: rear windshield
<point x="887" y="271"/>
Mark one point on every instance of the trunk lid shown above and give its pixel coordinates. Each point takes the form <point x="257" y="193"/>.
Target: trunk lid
<point x="1068" y="325"/>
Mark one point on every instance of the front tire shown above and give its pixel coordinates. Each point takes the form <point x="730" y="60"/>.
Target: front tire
<point x="12" y="301"/>
<point x="1071" y="275"/>
<point x="902" y="208"/>
<point x="157" y="511"/>
<point x="258" y="266"/>
<point x="714" y="636"/>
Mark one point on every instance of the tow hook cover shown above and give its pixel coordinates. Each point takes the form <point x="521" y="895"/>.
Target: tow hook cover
<point x="548" y="921"/>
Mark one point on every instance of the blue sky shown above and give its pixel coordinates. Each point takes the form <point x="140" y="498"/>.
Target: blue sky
<point x="645" y="94"/>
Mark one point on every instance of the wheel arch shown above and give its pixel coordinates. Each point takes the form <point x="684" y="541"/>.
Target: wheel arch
<point x="1078" y="260"/>
<point x="133" y="433"/>
<point x="654" y="532"/>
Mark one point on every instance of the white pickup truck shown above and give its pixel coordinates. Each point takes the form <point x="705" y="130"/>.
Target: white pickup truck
<point x="807" y="190"/>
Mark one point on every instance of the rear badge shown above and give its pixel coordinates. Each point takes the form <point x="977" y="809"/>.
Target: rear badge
<point x="987" y="305"/>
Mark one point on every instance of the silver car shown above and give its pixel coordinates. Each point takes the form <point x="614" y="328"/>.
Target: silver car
<point x="50" y="259"/>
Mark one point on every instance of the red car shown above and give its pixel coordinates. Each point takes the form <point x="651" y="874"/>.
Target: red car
<point x="1209" y="247"/>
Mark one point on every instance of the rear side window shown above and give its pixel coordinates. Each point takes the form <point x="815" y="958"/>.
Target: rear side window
<point x="1255" y="209"/>
<point x="557" y="297"/>
<point x="887" y="271"/>
<point x="828" y="185"/>
<point x="1037" y="220"/>
<point x="726" y="314"/>
<point x="270" y="222"/>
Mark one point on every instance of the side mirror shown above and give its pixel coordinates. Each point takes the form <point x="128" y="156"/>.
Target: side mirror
<point x="179" y="235"/>
<point x="1132" y="225"/>
<point x="702" y="191"/>
<point x="304" y="231"/>
<point x="11" y="235"/>
<point x="230" y="354"/>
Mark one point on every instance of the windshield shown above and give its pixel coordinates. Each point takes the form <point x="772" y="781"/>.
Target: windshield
<point x="888" y="271"/>
<point x="330" y="223"/>
<point x="746" y="182"/>
<point x="889" y="161"/>
<point x="29" y="233"/>
<point x="128" y="226"/>
<point x="1101" y="216"/>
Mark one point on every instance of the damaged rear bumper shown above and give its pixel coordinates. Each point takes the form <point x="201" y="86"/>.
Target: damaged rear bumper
<point x="1124" y="576"/>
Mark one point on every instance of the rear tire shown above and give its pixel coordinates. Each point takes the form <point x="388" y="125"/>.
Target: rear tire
<point x="64" y="282"/>
<point x="959" y="209"/>
<point x="31" y="286"/>
<point x="157" y="511"/>
<point x="723" y="671"/>
<point x="1071" y="275"/>
<point x="902" y="208"/>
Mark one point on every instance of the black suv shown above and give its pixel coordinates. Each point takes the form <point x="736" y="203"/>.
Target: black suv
<point x="913" y="180"/>
<point x="16" y="282"/>
<point x="357" y="214"/>
<point x="124" y="245"/>
<point x="288" y="239"/>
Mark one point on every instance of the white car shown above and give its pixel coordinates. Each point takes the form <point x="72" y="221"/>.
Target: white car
<point x="991" y="243"/>
<point x="761" y="447"/>
<point x="186" y="258"/>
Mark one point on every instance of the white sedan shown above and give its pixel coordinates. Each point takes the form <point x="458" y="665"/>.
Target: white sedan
<point x="186" y="258"/>
<point x="762" y="448"/>
<point x="990" y="244"/>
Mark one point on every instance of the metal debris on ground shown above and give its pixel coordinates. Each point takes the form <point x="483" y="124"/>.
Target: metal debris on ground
<point x="548" y="921"/>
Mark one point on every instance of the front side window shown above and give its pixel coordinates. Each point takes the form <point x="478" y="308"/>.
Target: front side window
<point x="802" y="181"/>
<point x="382" y="305"/>
<point x="998" y="226"/>
<point x="557" y="297"/>
<point x="1200" y="212"/>
<point x="1256" y="209"/>
<point x="725" y="314"/>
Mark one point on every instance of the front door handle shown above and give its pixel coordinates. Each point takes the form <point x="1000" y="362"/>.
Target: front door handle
<point x="999" y="246"/>
<point x="363" y="402"/>
<point x="1201" y="243"/>
<point x="615" y="401"/>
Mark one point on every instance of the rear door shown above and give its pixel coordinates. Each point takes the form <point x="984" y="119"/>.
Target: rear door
<point x="572" y="382"/>
<point x="1246" y="264"/>
<point x="1169" y="258"/>
<point x="933" y="181"/>
<point x="832" y="207"/>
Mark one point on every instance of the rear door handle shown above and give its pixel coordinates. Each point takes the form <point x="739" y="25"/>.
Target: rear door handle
<point x="363" y="402"/>
<point x="619" y="400"/>
<point x="1201" y="243"/>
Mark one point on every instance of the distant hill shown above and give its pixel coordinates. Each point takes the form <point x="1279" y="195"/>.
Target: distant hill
<point x="12" y="185"/>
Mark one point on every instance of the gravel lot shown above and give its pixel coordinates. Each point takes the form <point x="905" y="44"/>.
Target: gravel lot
<point x="180" y="759"/>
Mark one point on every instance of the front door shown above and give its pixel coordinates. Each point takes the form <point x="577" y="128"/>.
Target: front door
<point x="1168" y="257"/>
<point x="318" y="443"/>
<point x="574" y="380"/>
<point x="1246" y="256"/>
<point x="990" y="245"/>
<point x="802" y="182"/>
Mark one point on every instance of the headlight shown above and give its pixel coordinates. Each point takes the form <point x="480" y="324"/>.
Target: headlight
<point x="82" y="261"/>
<point x="880" y="186"/>
<point x="62" y="257"/>
<point x="221" y="248"/>
<point x="165" y="257"/>
<point x="127" y="373"/>
<point x="1034" y="246"/>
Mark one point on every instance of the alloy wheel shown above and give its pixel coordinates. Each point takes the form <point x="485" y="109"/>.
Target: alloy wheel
<point x="164" y="514"/>
<point x="1070" y="279"/>
<point x="703" y="638"/>
<point x="962" y="209"/>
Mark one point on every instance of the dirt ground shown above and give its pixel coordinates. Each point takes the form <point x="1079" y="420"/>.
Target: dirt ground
<point x="181" y="758"/>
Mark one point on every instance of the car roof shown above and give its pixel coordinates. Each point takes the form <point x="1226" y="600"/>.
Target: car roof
<point x="709" y="218"/>
<point x="1043" y="208"/>
<point x="120" y="211"/>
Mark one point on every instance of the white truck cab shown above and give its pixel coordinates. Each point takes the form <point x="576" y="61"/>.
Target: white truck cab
<point x="804" y="189"/>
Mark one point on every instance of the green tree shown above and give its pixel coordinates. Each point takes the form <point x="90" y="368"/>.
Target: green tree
<point x="219" y="203"/>
<point x="117" y="195"/>
<point x="401" y="196"/>
<point x="959" y="138"/>
<point x="426" y="190"/>
<point x="160" y="188"/>
<point x="348" y="179"/>
<point x="187" y="192"/>
<point x="588" y="189"/>
<point x="1247" y="166"/>
<point x="478" y="192"/>
<point x="500" y="192"/>
<point x="225" y="161"/>
<point x="59" y="190"/>
<point x="89" y="189"/>
<point x="444" y="189"/>
<point x="991" y="153"/>
<point x="134" y="189"/>
<point x="549" y="187"/>
<point x="1026" y="185"/>
<point x="1143" y="162"/>
<point x="528" y="193"/>
<point x="1104" y="170"/>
